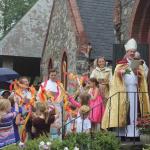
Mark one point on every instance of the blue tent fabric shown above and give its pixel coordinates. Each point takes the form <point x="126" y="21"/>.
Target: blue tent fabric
<point x="7" y="74"/>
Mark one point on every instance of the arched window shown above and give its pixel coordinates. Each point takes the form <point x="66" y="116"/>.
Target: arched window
<point x="50" y="65"/>
<point x="64" y="69"/>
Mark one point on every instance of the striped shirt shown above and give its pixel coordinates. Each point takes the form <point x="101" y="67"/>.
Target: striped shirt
<point x="6" y="129"/>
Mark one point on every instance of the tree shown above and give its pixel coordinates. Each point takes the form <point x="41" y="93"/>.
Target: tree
<point x="12" y="11"/>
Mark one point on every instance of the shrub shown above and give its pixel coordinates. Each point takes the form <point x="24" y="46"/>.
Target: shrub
<point x="30" y="144"/>
<point x="94" y="141"/>
<point x="56" y="144"/>
<point x="34" y="144"/>
<point x="146" y="147"/>
<point x="81" y="140"/>
<point x="12" y="147"/>
<point x="104" y="141"/>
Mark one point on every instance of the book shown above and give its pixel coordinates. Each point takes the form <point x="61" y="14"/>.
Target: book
<point x="135" y="64"/>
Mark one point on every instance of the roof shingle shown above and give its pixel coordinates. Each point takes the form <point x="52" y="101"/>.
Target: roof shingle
<point x="97" y="17"/>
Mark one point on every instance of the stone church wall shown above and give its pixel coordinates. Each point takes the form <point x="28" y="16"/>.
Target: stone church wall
<point x="126" y="13"/>
<point x="61" y="39"/>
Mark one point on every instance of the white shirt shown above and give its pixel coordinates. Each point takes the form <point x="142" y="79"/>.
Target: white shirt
<point x="86" y="124"/>
<point x="50" y="86"/>
<point x="70" y="124"/>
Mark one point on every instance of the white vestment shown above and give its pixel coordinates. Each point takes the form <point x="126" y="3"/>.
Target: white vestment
<point x="131" y="84"/>
<point x="51" y="86"/>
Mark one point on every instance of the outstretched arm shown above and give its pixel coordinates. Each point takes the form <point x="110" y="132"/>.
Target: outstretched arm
<point x="73" y="101"/>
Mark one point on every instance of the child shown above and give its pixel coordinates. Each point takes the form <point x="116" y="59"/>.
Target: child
<point x="56" y="125"/>
<point x="71" y="114"/>
<point x="6" y="123"/>
<point x="83" y="123"/>
<point x="72" y="110"/>
<point x="96" y="104"/>
<point x="84" y="99"/>
<point x="41" y="120"/>
<point x="18" y="120"/>
<point x="5" y="94"/>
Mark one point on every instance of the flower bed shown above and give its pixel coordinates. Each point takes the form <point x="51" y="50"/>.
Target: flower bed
<point x="144" y="128"/>
<point x="144" y="124"/>
<point x="95" y="141"/>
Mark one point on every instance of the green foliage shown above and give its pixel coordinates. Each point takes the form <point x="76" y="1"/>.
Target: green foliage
<point x="34" y="144"/>
<point x="105" y="141"/>
<point x="12" y="147"/>
<point x="30" y="145"/>
<point x="127" y="71"/>
<point x="146" y="147"/>
<point x="81" y="140"/>
<point x="56" y="144"/>
<point x="12" y="11"/>
<point x="94" y="141"/>
<point x="145" y="130"/>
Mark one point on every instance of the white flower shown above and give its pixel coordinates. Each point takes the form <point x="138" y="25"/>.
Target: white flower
<point x="76" y="148"/>
<point x="42" y="143"/>
<point x="48" y="143"/>
<point x="21" y="144"/>
<point x="66" y="148"/>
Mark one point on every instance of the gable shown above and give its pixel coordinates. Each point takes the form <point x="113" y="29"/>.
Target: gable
<point x="27" y="37"/>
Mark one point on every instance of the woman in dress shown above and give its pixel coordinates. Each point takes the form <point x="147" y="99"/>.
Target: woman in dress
<point x="104" y="75"/>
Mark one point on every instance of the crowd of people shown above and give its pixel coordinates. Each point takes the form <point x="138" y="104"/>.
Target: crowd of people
<point x="27" y="113"/>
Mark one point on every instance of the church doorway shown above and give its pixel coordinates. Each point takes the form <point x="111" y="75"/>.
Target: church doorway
<point x="140" y="26"/>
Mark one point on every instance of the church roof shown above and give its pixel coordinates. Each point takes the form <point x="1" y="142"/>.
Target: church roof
<point x="27" y="37"/>
<point x="97" y="18"/>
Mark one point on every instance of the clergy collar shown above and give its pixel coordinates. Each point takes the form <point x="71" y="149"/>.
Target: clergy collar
<point x="129" y="61"/>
